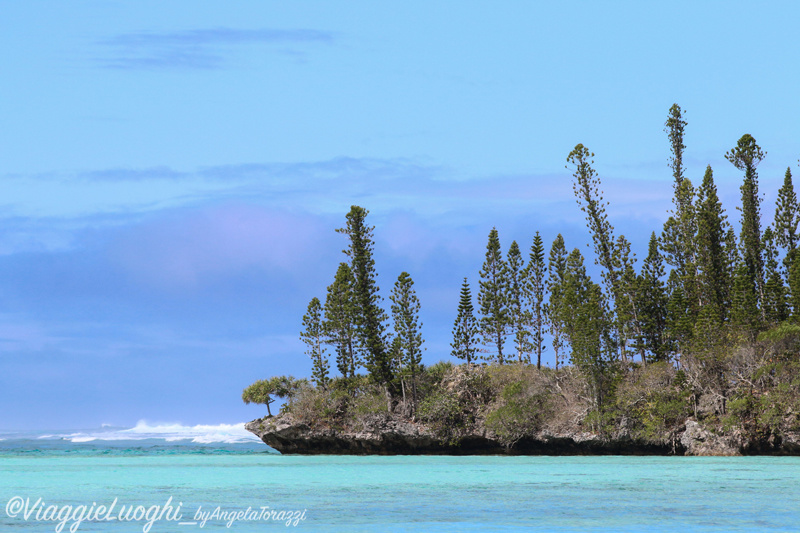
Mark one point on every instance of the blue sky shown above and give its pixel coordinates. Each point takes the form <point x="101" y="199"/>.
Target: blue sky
<point x="172" y="173"/>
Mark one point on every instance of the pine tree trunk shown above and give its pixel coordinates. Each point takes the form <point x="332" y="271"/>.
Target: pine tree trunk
<point x="413" y="391"/>
<point x="499" y="348"/>
<point x="539" y="355"/>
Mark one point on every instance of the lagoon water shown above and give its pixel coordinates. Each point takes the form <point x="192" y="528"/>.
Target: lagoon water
<point x="223" y="467"/>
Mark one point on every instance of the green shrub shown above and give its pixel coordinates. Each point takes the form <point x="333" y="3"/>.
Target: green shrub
<point x="649" y="401"/>
<point x="772" y="406"/>
<point x="600" y="421"/>
<point x="520" y="411"/>
<point x="445" y="414"/>
<point x="437" y="372"/>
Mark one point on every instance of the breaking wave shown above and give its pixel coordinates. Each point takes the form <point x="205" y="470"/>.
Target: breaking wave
<point x="173" y="433"/>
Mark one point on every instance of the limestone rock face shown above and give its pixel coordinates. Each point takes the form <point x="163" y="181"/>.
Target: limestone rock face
<point x="790" y="444"/>
<point x="700" y="441"/>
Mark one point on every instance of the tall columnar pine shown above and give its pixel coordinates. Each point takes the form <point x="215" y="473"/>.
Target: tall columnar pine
<point x="787" y="216"/>
<point x="586" y="187"/>
<point x="679" y="231"/>
<point x="370" y="317"/>
<point x="535" y="275"/>
<point x="465" y="329"/>
<point x="340" y="321"/>
<point x="732" y="259"/>
<point x="588" y="327"/>
<point x="794" y="287"/>
<point x="675" y="127"/>
<point x="405" y="314"/>
<point x="519" y="317"/>
<point x="629" y="307"/>
<point x="556" y="309"/>
<point x="746" y="156"/>
<point x="396" y="355"/>
<point x="313" y="337"/>
<point x="775" y="301"/>
<point x="680" y="323"/>
<point x="678" y="243"/>
<point x="744" y="305"/>
<point x="492" y="298"/>
<point x="713" y="271"/>
<point x="654" y="304"/>
<point x="669" y="242"/>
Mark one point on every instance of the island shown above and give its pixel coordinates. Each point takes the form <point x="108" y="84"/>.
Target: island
<point x="696" y="351"/>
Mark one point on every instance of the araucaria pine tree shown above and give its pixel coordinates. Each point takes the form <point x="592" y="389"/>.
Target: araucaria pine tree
<point x="654" y="304"/>
<point x="746" y="156"/>
<point x="744" y="306"/>
<point x="680" y="320"/>
<point x="775" y="304"/>
<point x="675" y="127"/>
<point x="405" y="314"/>
<point x="787" y="216"/>
<point x="588" y="327"/>
<point x="713" y="272"/>
<point x="465" y="329"/>
<point x="680" y="229"/>
<point x="556" y="308"/>
<point x="590" y="198"/>
<point x="312" y="335"/>
<point x="492" y="298"/>
<point x="534" y="275"/>
<point x="370" y="317"/>
<point x="518" y="315"/>
<point x="678" y="242"/>
<point x="732" y="258"/>
<point x="340" y="321"/>
<point x="630" y="302"/>
<point x="794" y="287"/>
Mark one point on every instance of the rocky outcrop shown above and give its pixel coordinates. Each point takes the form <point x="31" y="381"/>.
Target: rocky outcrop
<point x="383" y="437"/>
<point x="394" y="436"/>
<point x="402" y="437"/>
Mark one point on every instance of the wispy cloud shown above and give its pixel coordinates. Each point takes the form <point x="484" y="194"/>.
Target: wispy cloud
<point x="336" y="168"/>
<point x="133" y="174"/>
<point x="202" y="48"/>
<point x="112" y="197"/>
<point x="189" y="248"/>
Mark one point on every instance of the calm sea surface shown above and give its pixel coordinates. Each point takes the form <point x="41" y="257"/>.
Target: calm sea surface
<point x="228" y="472"/>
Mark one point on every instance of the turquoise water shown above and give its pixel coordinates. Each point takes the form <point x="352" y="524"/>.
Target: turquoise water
<point x="397" y="493"/>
